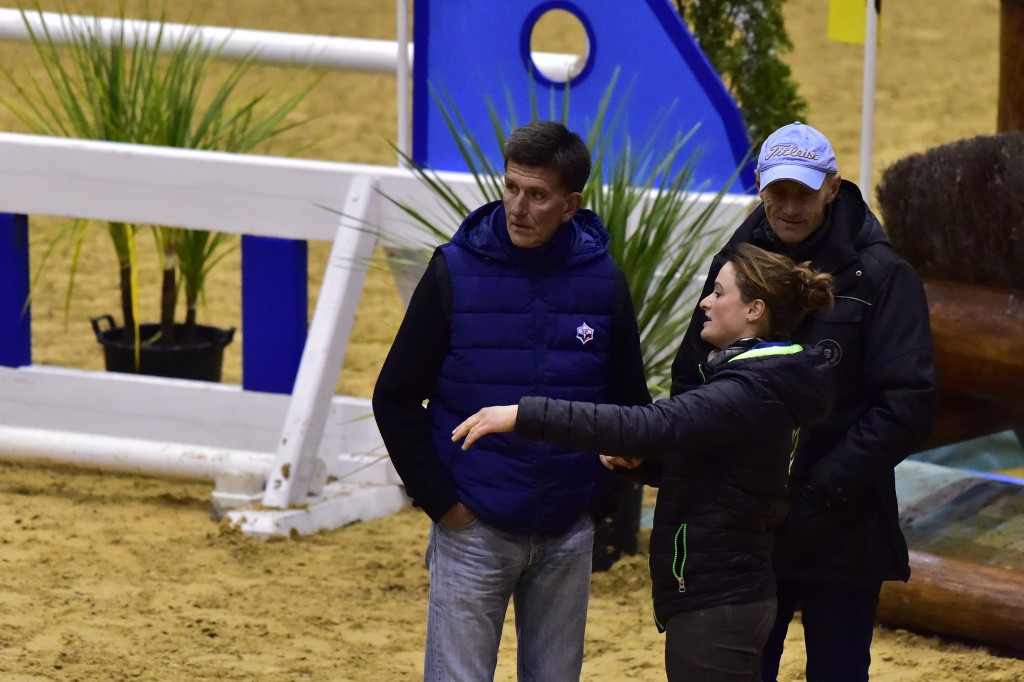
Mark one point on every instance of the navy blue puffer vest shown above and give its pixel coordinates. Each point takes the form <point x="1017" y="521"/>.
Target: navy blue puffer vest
<point x="524" y="322"/>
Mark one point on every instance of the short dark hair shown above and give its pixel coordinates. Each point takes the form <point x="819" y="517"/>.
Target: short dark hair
<point x="549" y="144"/>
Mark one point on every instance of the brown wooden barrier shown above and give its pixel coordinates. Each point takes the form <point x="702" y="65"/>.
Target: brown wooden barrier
<point x="1010" y="114"/>
<point x="979" y="355"/>
<point x="958" y="599"/>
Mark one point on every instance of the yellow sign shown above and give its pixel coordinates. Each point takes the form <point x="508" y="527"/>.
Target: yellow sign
<point x="846" y="21"/>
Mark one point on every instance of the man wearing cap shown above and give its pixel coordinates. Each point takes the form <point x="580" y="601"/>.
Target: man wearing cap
<point x="842" y="538"/>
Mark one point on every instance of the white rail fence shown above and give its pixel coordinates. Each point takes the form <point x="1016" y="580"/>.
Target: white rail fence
<point x="312" y="460"/>
<point x="271" y="47"/>
<point x="283" y="451"/>
<point x="312" y="433"/>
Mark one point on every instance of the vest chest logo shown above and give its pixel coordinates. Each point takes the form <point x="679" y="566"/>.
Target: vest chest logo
<point x="584" y="333"/>
<point x="833" y="351"/>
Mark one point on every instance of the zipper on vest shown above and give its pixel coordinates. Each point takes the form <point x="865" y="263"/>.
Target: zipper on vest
<point x="680" y="574"/>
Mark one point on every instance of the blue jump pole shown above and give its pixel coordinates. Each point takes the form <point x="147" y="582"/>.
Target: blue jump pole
<point x="274" y="304"/>
<point x="15" y="317"/>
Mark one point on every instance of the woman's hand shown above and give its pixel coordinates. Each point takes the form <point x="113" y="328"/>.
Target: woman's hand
<point x="498" y="419"/>
<point x="611" y="462"/>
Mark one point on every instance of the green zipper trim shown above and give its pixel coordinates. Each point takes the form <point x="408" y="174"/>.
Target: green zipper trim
<point x="768" y="352"/>
<point x="675" y="558"/>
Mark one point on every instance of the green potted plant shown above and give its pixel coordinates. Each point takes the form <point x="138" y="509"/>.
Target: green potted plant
<point x="134" y="89"/>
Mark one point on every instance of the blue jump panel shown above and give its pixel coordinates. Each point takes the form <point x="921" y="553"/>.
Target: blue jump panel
<point x="478" y="51"/>
<point x="15" y="316"/>
<point x="274" y="303"/>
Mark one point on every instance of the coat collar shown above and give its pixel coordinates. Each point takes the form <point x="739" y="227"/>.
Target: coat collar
<point x="833" y="247"/>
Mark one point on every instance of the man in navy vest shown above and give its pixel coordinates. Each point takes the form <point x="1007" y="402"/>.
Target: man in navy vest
<point x="524" y="300"/>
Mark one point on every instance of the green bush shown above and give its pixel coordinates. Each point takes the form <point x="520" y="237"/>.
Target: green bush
<point x="743" y="40"/>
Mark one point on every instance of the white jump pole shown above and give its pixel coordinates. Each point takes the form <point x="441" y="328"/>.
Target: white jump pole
<point x="273" y="47"/>
<point x="130" y="455"/>
<point x="356" y="54"/>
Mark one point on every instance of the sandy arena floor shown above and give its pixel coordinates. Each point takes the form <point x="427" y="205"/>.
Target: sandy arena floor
<point x="110" y="577"/>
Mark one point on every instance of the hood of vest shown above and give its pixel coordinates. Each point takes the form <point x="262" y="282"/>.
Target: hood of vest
<point x="485" y="232"/>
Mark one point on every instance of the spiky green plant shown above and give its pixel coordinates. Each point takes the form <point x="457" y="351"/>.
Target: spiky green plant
<point x="138" y="89"/>
<point x="660" y="228"/>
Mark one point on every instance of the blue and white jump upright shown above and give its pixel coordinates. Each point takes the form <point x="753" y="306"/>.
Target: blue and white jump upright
<point x="284" y="421"/>
<point x="477" y="52"/>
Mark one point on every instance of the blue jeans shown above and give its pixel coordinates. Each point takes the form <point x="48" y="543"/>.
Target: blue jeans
<point x="838" y="620"/>
<point x="719" y="643"/>
<point x="475" y="570"/>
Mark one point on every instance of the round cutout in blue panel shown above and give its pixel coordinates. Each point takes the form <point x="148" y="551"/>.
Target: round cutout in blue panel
<point x="557" y="43"/>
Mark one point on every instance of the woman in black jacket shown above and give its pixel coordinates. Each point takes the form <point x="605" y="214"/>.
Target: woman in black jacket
<point x="721" y="457"/>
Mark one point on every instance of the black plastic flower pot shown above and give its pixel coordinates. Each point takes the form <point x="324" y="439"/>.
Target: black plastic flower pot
<point x="201" y="360"/>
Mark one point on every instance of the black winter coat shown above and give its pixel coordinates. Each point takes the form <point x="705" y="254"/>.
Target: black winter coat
<point x="727" y="449"/>
<point x="844" y="522"/>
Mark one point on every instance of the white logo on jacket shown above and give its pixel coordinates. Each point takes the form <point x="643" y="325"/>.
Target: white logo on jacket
<point x="584" y="333"/>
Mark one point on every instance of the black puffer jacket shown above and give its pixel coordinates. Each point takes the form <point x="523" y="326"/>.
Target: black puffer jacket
<point x="844" y="523"/>
<point x="727" y="446"/>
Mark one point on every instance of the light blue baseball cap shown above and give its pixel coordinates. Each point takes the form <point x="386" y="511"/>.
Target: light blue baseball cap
<point x="796" y="152"/>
